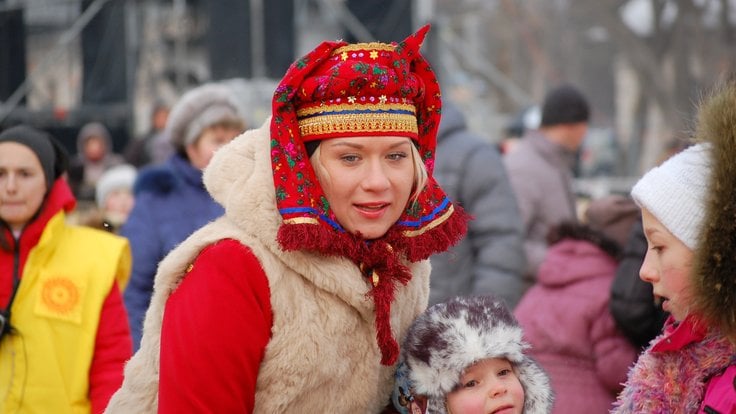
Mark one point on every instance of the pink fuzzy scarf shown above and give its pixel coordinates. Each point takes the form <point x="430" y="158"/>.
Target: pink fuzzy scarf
<point x="674" y="382"/>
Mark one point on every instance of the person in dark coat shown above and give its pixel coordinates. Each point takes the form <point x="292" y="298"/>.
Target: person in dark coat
<point x="490" y="259"/>
<point x="171" y="201"/>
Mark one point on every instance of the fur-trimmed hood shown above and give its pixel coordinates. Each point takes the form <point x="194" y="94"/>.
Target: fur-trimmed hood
<point x="449" y="337"/>
<point x="714" y="272"/>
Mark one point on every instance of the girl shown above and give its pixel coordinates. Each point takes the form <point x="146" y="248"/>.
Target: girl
<point x="687" y="212"/>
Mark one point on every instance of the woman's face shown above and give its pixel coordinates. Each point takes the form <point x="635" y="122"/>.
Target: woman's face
<point x="201" y="151"/>
<point x="367" y="181"/>
<point x="22" y="184"/>
<point x="667" y="266"/>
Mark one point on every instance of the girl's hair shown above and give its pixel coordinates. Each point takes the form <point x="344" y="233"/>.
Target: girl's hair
<point x="420" y="170"/>
<point x="577" y="231"/>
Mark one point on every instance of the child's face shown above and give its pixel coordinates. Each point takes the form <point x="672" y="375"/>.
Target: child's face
<point x="667" y="267"/>
<point x="489" y="386"/>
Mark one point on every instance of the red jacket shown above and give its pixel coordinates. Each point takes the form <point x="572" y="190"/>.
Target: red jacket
<point x="211" y="304"/>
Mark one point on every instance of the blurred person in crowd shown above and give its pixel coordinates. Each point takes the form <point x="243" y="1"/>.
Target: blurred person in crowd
<point x="467" y="356"/>
<point x="541" y="169"/>
<point x="565" y="314"/>
<point x="688" y="211"/>
<point x="490" y="259"/>
<point x="114" y="197"/>
<point x="94" y="156"/>
<point x="64" y="335"/>
<point x="154" y="147"/>
<point x="295" y="299"/>
<point x="171" y="201"/>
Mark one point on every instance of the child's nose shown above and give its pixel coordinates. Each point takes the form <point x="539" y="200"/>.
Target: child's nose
<point x="648" y="272"/>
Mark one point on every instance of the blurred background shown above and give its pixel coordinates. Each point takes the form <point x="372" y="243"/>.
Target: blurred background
<point x="643" y="63"/>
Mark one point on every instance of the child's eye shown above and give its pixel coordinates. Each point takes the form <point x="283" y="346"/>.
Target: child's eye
<point x="504" y="372"/>
<point x="470" y="384"/>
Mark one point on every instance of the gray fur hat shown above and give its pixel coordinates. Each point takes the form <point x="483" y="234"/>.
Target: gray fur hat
<point x="199" y="108"/>
<point x="451" y="336"/>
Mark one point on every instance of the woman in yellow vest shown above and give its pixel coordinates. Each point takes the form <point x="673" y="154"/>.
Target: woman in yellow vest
<point x="64" y="335"/>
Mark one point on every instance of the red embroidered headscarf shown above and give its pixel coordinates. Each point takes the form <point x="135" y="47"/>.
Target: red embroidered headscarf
<point x="349" y="90"/>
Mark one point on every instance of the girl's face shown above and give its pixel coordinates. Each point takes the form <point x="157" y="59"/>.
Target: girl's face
<point x="22" y="184"/>
<point x="489" y="386"/>
<point x="367" y="181"/>
<point x="667" y="267"/>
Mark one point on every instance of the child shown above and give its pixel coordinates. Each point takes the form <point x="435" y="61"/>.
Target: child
<point x="466" y="355"/>
<point x="687" y="211"/>
<point x="114" y="197"/>
<point x="565" y="316"/>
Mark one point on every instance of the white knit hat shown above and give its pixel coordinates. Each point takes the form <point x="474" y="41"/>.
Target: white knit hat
<point x="675" y="192"/>
<point x="116" y="178"/>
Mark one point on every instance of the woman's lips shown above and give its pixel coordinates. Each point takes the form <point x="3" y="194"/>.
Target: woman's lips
<point x="372" y="210"/>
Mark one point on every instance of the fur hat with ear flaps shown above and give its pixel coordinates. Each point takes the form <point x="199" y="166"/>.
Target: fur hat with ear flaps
<point x="714" y="270"/>
<point x="451" y="336"/>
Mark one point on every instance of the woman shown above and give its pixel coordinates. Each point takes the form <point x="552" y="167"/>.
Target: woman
<point x="170" y="199"/>
<point x="294" y="300"/>
<point x="65" y="338"/>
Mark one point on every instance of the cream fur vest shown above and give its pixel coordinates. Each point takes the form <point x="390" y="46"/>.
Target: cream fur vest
<point x="322" y="356"/>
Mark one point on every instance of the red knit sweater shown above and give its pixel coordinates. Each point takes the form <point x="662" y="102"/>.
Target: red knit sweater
<point x="223" y="302"/>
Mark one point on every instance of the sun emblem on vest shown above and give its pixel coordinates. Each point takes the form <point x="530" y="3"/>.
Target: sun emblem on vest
<point x="59" y="295"/>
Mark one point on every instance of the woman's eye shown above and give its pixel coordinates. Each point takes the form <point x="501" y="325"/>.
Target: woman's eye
<point x="397" y="156"/>
<point x="349" y="158"/>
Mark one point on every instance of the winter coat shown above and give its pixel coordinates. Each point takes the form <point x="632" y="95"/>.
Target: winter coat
<point x="170" y="204"/>
<point x="311" y="312"/>
<point x="540" y="172"/>
<point x="688" y="369"/>
<point x="70" y="337"/>
<point x="632" y="300"/>
<point x="490" y="259"/>
<point x="566" y="320"/>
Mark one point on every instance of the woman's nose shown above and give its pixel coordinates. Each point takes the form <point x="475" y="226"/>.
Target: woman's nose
<point x="10" y="183"/>
<point x="375" y="178"/>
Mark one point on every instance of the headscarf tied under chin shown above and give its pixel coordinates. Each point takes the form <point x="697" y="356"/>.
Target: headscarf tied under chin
<point x="373" y="90"/>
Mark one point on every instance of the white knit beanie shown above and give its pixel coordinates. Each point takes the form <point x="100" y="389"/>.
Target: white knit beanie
<point x="675" y="192"/>
<point x="198" y="109"/>
<point x="116" y="178"/>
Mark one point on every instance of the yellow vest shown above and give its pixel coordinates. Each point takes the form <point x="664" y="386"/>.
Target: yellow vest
<point x="44" y="366"/>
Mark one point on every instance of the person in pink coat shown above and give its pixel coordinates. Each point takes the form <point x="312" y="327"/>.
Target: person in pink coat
<point x="565" y="315"/>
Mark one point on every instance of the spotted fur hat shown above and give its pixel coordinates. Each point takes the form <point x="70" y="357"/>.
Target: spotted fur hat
<point x="451" y="336"/>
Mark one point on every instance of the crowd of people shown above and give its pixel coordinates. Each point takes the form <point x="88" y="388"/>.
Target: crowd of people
<point x="363" y="251"/>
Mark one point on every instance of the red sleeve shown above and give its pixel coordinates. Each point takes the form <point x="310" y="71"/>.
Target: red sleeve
<point x="216" y="326"/>
<point x="113" y="347"/>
